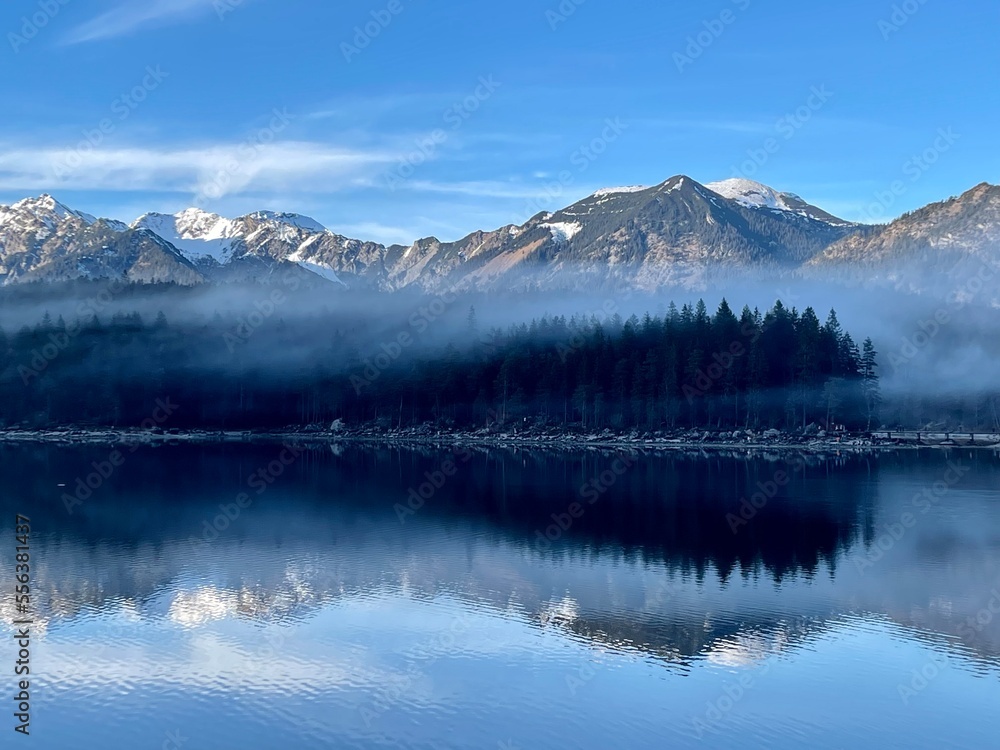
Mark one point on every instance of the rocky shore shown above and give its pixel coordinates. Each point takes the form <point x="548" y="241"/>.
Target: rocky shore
<point x="810" y="439"/>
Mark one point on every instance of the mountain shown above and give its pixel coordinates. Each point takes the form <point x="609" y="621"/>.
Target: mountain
<point x="255" y="244"/>
<point x="755" y="195"/>
<point x="677" y="233"/>
<point x="43" y="240"/>
<point x="950" y="249"/>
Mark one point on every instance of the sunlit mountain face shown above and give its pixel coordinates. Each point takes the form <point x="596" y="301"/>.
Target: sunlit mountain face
<point x="679" y="234"/>
<point x="610" y="603"/>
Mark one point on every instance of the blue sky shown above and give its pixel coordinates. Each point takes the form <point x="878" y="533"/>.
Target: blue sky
<point x="439" y="118"/>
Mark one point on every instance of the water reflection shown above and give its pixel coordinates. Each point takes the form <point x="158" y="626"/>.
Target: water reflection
<point x="332" y="568"/>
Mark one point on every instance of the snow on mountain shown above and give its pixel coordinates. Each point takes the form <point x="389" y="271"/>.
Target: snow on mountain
<point x="295" y="220"/>
<point x="202" y="235"/>
<point x="616" y="190"/>
<point x="44" y="210"/>
<point x="751" y="194"/>
<point x="196" y="233"/>
<point x="321" y="270"/>
<point x="563" y="231"/>
<point x="253" y="244"/>
<point x="677" y="233"/>
<point x="43" y="240"/>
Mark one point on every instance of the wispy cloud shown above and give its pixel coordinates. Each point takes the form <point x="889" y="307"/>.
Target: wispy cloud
<point x="477" y="189"/>
<point x="236" y="168"/>
<point x="131" y="16"/>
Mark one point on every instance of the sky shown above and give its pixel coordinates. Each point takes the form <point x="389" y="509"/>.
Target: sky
<point x="391" y="120"/>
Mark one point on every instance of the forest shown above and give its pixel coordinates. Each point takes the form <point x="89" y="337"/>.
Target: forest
<point x="684" y="368"/>
<point x="270" y="357"/>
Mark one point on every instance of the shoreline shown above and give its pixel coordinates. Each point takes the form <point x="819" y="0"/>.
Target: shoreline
<point x="769" y="441"/>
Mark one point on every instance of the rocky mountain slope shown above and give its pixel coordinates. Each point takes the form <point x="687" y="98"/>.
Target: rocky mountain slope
<point x="43" y="240"/>
<point x="224" y="249"/>
<point x="677" y="233"/>
<point x="951" y="248"/>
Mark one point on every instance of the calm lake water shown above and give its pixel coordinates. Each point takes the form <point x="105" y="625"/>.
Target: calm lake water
<point x="857" y="607"/>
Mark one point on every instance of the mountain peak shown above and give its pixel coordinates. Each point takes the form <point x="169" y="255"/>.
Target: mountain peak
<point x="756" y="195"/>
<point x="618" y="190"/>
<point x="751" y="194"/>
<point x="295" y="220"/>
<point x="676" y="183"/>
<point x="45" y="208"/>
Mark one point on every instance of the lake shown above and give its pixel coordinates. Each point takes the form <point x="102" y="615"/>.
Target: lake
<point x="261" y="596"/>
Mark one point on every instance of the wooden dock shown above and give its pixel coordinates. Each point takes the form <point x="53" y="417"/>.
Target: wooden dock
<point x="930" y="437"/>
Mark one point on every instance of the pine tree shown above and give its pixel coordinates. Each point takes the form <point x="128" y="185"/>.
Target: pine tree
<point x="870" y="380"/>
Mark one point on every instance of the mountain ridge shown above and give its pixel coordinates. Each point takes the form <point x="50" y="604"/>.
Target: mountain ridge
<point x="679" y="233"/>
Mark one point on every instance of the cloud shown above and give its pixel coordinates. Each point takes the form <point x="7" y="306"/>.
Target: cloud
<point x="133" y="16"/>
<point x="477" y="189"/>
<point x="215" y="170"/>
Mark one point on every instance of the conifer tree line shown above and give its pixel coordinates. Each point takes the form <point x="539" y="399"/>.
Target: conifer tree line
<point x="685" y="368"/>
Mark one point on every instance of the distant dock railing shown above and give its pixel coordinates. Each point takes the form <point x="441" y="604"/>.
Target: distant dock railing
<point x="937" y="437"/>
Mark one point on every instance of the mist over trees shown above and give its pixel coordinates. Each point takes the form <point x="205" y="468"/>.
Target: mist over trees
<point x="685" y="368"/>
<point x="268" y="364"/>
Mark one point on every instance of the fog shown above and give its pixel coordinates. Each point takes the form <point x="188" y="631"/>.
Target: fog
<point x="940" y="344"/>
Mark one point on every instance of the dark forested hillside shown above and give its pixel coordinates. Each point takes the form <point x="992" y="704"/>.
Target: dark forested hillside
<point x="276" y="363"/>
<point x="687" y="367"/>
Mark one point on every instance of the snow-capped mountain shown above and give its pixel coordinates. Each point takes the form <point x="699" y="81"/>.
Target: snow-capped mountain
<point x="752" y="194"/>
<point x="677" y="233"/>
<point x="199" y="235"/>
<point x="38" y="213"/>
<point x="218" y="245"/>
<point x="43" y="240"/>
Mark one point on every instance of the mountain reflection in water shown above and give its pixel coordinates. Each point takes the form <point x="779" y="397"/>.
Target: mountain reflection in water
<point x="332" y="586"/>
